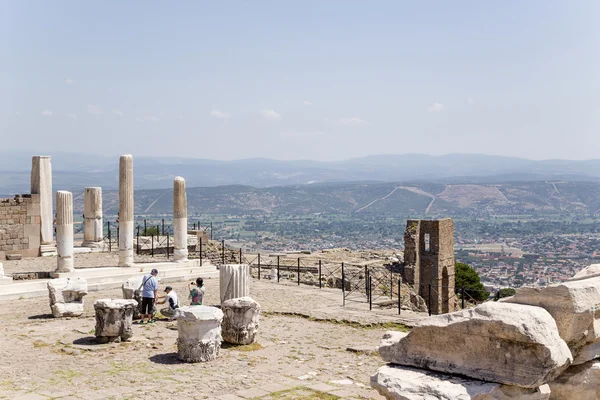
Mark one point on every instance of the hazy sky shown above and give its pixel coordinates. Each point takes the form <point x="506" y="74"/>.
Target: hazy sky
<point x="322" y="80"/>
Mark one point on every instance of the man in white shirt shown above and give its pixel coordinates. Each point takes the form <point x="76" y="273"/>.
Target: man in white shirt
<point x="173" y="303"/>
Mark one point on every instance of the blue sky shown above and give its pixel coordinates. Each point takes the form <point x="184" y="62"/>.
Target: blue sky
<point x="323" y="80"/>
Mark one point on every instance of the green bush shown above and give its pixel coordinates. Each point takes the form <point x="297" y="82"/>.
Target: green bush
<point x="466" y="277"/>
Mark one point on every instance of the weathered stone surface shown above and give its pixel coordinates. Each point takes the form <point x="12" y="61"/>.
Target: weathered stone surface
<point x="129" y="287"/>
<point x="114" y="319"/>
<point x="575" y="306"/>
<point x="484" y="341"/>
<point x="66" y="296"/>
<point x="581" y="382"/>
<point x="92" y="213"/>
<point x="240" y="323"/>
<point x="408" y="383"/>
<point x="126" y="211"/>
<point x="234" y="280"/>
<point x="180" y="246"/>
<point x="41" y="184"/>
<point x="590" y="271"/>
<point x="199" y="328"/>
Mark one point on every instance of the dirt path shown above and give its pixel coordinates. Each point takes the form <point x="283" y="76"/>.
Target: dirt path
<point x="376" y="200"/>
<point x="421" y="192"/>
<point x="56" y="358"/>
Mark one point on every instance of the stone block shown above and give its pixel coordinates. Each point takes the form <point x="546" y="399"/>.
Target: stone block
<point x="574" y="305"/>
<point x="66" y="296"/>
<point x="14" y="257"/>
<point x="234" y="281"/>
<point x="408" y="383"/>
<point x="240" y="321"/>
<point x="581" y="382"/>
<point x="485" y="340"/>
<point x="114" y="319"/>
<point x="199" y="328"/>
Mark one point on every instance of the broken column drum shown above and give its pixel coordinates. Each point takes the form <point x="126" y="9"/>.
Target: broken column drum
<point x="199" y="328"/>
<point x="240" y="321"/>
<point x="114" y="319"/>
<point x="92" y="217"/>
<point x="41" y="184"/>
<point x="180" y="252"/>
<point x="126" y="211"/>
<point x="234" y="280"/>
<point x="66" y="296"/>
<point x="64" y="231"/>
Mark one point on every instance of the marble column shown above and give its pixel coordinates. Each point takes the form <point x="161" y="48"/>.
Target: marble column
<point x="64" y="231"/>
<point x="199" y="333"/>
<point x="240" y="321"/>
<point x="92" y="217"/>
<point x="126" y="211"/>
<point x="114" y="319"/>
<point x="41" y="184"/>
<point x="234" y="280"/>
<point x="180" y="252"/>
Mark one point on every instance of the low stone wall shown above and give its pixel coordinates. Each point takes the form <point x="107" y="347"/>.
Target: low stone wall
<point x="20" y="226"/>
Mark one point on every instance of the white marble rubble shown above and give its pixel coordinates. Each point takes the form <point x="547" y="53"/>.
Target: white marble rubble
<point x="507" y="343"/>
<point x="579" y="382"/>
<point x="4" y="280"/>
<point x="199" y="328"/>
<point x="240" y="321"/>
<point x="114" y="319"/>
<point x="396" y="382"/>
<point x="575" y="306"/>
<point x="66" y="296"/>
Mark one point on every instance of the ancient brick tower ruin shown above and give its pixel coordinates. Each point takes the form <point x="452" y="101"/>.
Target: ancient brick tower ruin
<point x="429" y="259"/>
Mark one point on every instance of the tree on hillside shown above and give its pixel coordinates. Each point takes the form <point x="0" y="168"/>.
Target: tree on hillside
<point x="466" y="277"/>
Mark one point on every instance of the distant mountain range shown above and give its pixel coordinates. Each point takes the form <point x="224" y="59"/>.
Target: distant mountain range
<point x="73" y="171"/>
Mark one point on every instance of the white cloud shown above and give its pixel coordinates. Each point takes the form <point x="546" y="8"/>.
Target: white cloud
<point x="307" y="103"/>
<point x="353" y="121"/>
<point x="271" y="115"/>
<point x="92" y="109"/>
<point x="68" y="81"/>
<point x="72" y="116"/>
<point x="470" y="100"/>
<point x="220" y="114"/>
<point x="437" y="107"/>
<point x="47" y="113"/>
<point x="150" y="118"/>
<point x="118" y="112"/>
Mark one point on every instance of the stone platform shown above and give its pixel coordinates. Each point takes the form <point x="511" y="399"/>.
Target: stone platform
<point x="111" y="277"/>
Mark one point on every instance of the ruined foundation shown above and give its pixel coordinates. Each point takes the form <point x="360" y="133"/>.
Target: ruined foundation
<point x="199" y="329"/>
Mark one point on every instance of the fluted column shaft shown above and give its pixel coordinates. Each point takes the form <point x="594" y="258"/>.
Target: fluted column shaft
<point x="92" y="217"/>
<point x="234" y="280"/>
<point x="64" y="231"/>
<point x="180" y="220"/>
<point x="126" y="211"/>
<point x="41" y="184"/>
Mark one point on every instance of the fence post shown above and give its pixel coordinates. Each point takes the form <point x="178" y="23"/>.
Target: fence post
<point x="211" y="235"/>
<point x="298" y="271"/>
<point x="320" y="285"/>
<point x="167" y="245"/>
<point x="109" y="239"/>
<point x="343" y="285"/>
<point x="163" y="227"/>
<point x="200" y="251"/>
<point x="240" y="255"/>
<point x="145" y="230"/>
<point x="429" y="305"/>
<point x="462" y="296"/>
<point x="137" y="246"/>
<point x="399" y="295"/>
<point x="367" y="280"/>
<point x="117" y="235"/>
<point x="223" y="251"/>
<point x="370" y="294"/>
<point x="277" y="269"/>
<point x="259" y="266"/>
<point x="391" y="284"/>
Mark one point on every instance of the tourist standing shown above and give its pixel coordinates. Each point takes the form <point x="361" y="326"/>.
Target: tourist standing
<point x="149" y="296"/>
<point x="197" y="292"/>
